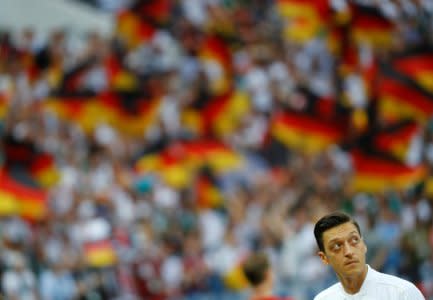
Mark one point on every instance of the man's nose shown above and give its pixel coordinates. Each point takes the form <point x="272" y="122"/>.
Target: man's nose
<point x="347" y="249"/>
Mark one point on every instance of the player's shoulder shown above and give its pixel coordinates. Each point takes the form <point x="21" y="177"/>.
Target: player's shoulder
<point x="383" y="278"/>
<point x="329" y="293"/>
<point x="394" y="282"/>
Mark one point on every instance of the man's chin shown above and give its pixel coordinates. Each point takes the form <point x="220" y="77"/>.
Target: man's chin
<point x="354" y="268"/>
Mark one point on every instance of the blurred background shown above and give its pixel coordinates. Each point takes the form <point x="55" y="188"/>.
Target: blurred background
<point x="147" y="147"/>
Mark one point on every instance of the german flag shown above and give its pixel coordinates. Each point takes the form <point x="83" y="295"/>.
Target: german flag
<point x="65" y="108"/>
<point x="119" y="79"/>
<point x="212" y="153"/>
<point x="9" y="203"/>
<point x="370" y="26"/>
<point x="397" y="139"/>
<point x="401" y="100"/>
<point x="132" y="122"/>
<point x="85" y="112"/>
<point x="169" y="165"/>
<point x="5" y="98"/>
<point x="179" y="162"/>
<point x="4" y="107"/>
<point x="72" y="80"/>
<point x="304" y="132"/>
<point x="224" y="113"/>
<point x="306" y="18"/>
<point x="217" y="60"/>
<point x="44" y="170"/>
<point x="156" y="10"/>
<point x="294" y="8"/>
<point x="218" y="156"/>
<point x="334" y="40"/>
<point x="418" y="66"/>
<point x="132" y="29"/>
<point x="208" y="194"/>
<point x="100" y="254"/>
<point x="18" y="199"/>
<point x="106" y="108"/>
<point x="377" y="174"/>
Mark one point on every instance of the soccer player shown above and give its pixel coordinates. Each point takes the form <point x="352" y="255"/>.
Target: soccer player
<point x="341" y="246"/>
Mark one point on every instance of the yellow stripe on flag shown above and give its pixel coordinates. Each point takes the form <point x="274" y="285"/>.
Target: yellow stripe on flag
<point x="392" y="109"/>
<point x="300" y="140"/>
<point x="9" y="205"/>
<point x="425" y="79"/>
<point x="101" y="256"/>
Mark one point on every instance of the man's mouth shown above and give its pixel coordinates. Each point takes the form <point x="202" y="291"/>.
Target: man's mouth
<point x="351" y="262"/>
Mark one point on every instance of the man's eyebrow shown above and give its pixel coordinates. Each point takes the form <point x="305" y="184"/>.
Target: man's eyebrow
<point x="339" y="238"/>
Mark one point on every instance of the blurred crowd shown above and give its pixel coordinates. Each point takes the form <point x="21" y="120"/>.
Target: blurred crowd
<point x="115" y="227"/>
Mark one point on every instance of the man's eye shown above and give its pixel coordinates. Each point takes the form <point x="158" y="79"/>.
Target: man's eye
<point x="336" y="247"/>
<point x="354" y="240"/>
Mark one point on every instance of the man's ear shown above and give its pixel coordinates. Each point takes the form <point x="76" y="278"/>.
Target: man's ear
<point x="323" y="257"/>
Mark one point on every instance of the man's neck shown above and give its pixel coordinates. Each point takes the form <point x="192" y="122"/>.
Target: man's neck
<point x="352" y="284"/>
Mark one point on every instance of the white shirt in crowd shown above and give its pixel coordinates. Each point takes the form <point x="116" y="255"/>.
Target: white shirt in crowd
<point x="376" y="286"/>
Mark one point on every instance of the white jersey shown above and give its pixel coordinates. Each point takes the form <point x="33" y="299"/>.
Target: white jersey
<point x="376" y="286"/>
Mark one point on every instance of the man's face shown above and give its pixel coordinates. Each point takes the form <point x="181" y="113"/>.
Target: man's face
<point x="344" y="250"/>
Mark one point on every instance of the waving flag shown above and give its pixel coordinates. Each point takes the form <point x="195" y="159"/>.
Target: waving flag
<point x="306" y="18"/>
<point x="4" y="105"/>
<point x="294" y="8"/>
<point x="133" y="30"/>
<point x="370" y="26"/>
<point x="107" y="108"/>
<point x="85" y="112"/>
<point x="219" y="116"/>
<point x="135" y="121"/>
<point x="208" y="194"/>
<point x="44" y="170"/>
<point x="100" y="254"/>
<point x="304" y="132"/>
<point x="215" y="154"/>
<point x="157" y="10"/>
<point x="401" y="100"/>
<point x="217" y="61"/>
<point x="119" y="79"/>
<point x="178" y="163"/>
<point x="5" y="96"/>
<point x="397" y="140"/>
<point x="224" y="113"/>
<point x="377" y="174"/>
<point x="418" y="66"/>
<point x="21" y="200"/>
<point x="169" y="165"/>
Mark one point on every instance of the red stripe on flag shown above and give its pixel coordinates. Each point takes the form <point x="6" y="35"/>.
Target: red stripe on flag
<point x="405" y="94"/>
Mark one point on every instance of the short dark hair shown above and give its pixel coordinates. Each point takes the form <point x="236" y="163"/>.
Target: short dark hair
<point x="330" y="221"/>
<point x="255" y="268"/>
